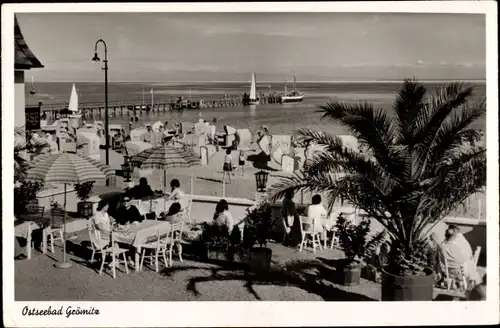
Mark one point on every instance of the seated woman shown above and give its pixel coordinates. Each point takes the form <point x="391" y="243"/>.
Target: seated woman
<point x="317" y="212"/>
<point x="174" y="213"/>
<point x="222" y="216"/>
<point x="103" y="222"/>
<point x="176" y="193"/>
<point x="143" y="189"/>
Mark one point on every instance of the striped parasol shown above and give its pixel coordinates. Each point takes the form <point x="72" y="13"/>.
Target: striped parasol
<point x="164" y="158"/>
<point x="67" y="168"/>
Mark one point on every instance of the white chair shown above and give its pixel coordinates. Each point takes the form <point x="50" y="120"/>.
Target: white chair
<point x="156" y="246"/>
<point x="308" y="229"/>
<point x="54" y="231"/>
<point x="186" y="210"/>
<point x="476" y="255"/>
<point x="335" y="241"/>
<point x="105" y="250"/>
<point x="450" y="282"/>
<point x="175" y="239"/>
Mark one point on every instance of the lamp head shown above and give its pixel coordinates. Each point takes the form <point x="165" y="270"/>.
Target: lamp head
<point x="96" y="58"/>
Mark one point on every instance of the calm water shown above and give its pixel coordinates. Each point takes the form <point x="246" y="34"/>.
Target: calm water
<point x="280" y="119"/>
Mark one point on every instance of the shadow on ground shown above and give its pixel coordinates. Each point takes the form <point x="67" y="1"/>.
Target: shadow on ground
<point x="260" y="161"/>
<point x="310" y="275"/>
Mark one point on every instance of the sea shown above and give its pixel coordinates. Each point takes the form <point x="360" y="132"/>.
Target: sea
<point x="279" y="118"/>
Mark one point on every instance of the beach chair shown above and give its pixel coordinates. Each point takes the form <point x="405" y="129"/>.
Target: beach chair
<point x="106" y="250"/>
<point x="307" y="229"/>
<point x="156" y="246"/>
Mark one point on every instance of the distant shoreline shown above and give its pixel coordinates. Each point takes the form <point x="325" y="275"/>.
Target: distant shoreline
<point x="265" y="82"/>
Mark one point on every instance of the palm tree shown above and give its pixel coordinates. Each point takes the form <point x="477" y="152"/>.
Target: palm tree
<point x="421" y="162"/>
<point x="24" y="143"/>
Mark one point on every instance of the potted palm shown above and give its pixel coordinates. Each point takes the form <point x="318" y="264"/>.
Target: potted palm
<point x="256" y="232"/>
<point x="420" y="163"/>
<point x="357" y="246"/>
<point x="83" y="191"/>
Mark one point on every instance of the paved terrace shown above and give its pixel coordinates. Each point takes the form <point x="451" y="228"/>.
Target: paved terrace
<point x="294" y="276"/>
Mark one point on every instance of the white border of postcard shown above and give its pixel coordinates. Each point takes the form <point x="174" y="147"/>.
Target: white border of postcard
<point x="181" y="314"/>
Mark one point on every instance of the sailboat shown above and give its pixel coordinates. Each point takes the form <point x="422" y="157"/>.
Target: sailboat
<point x="33" y="90"/>
<point x="254" y="100"/>
<point x="73" y="105"/>
<point x="294" y="96"/>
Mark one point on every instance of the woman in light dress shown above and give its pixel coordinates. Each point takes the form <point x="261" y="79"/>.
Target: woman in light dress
<point x="103" y="223"/>
<point x="222" y="216"/>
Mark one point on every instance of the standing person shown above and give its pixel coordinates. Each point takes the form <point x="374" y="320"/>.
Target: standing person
<point x="241" y="162"/>
<point x="227" y="168"/>
<point x="290" y="220"/>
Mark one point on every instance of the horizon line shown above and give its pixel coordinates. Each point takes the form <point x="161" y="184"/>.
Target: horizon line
<point x="280" y="82"/>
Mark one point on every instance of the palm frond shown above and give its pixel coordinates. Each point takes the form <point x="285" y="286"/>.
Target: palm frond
<point x="441" y="103"/>
<point x="372" y="127"/>
<point x="410" y="100"/>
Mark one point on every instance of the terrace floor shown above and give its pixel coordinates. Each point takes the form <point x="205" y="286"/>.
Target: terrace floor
<point x="294" y="276"/>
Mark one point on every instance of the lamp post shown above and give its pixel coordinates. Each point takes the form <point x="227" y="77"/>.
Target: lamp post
<point x="261" y="180"/>
<point x="126" y="169"/>
<point x="105" y="68"/>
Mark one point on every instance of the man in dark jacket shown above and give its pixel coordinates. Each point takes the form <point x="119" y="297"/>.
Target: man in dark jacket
<point x="128" y="213"/>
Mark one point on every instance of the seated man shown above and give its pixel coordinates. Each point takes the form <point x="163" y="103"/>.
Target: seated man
<point x="128" y="213"/>
<point x="143" y="189"/>
<point x="456" y="253"/>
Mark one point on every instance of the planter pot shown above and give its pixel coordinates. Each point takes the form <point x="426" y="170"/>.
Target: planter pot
<point x="412" y="288"/>
<point x="33" y="202"/>
<point x="85" y="209"/>
<point x="348" y="273"/>
<point x="259" y="259"/>
<point x="371" y="273"/>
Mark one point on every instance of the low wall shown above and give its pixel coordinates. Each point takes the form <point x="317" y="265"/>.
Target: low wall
<point x="57" y="194"/>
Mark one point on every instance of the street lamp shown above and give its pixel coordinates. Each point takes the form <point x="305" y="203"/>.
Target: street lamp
<point x="105" y="68"/>
<point x="261" y="180"/>
<point x="126" y="169"/>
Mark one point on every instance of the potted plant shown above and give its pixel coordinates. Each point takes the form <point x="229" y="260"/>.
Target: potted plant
<point x="357" y="247"/>
<point x="257" y="229"/>
<point x="83" y="191"/>
<point x="25" y="195"/>
<point x="421" y="160"/>
<point x="215" y="241"/>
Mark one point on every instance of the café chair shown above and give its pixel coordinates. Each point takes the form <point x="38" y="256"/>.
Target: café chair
<point x="111" y="249"/>
<point x="54" y="231"/>
<point x="307" y="229"/>
<point x="156" y="246"/>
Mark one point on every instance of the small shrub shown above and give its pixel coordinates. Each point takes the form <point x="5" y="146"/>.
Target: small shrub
<point x="83" y="190"/>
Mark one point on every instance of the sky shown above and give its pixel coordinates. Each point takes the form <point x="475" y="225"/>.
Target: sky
<point x="173" y="47"/>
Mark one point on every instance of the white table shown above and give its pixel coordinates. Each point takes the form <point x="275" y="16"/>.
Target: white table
<point x="137" y="235"/>
<point x="24" y="230"/>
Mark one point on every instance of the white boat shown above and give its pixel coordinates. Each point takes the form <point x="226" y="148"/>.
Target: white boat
<point x="73" y="104"/>
<point x="33" y="90"/>
<point x="254" y="100"/>
<point x="294" y="96"/>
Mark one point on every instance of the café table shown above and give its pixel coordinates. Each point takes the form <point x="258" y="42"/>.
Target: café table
<point x="137" y="234"/>
<point x="24" y="229"/>
<point x="144" y="206"/>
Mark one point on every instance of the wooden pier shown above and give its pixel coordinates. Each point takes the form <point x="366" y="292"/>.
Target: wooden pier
<point x="122" y="109"/>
